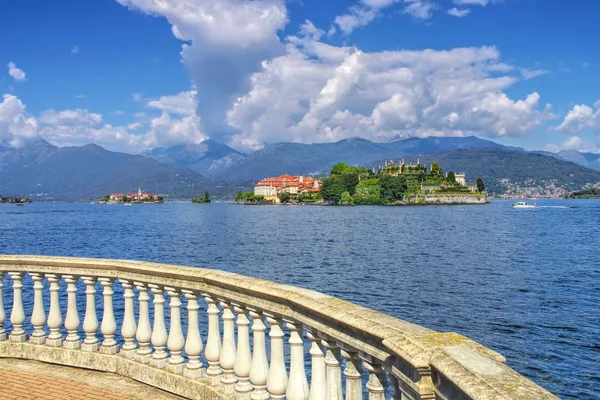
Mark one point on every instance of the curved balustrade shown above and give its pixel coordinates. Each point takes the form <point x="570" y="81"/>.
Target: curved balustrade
<point x="318" y="347"/>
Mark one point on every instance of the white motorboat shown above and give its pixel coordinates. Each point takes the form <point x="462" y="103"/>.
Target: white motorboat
<point x="522" y="204"/>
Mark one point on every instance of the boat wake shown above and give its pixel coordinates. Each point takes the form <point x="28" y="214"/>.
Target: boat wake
<point x="552" y="207"/>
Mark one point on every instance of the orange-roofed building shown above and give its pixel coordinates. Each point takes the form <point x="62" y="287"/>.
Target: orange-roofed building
<point x="269" y="188"/>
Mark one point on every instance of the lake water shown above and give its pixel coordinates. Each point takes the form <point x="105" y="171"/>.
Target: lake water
<point x="523" y="282"/>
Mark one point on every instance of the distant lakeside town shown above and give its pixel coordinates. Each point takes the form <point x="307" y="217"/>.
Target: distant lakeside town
<point x="391" y="184"/>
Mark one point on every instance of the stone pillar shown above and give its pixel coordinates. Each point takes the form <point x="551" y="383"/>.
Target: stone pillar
<point x="259" y="368"/>
<point x="352" y="372"/>
<point x="193" y="344"/>
<point x="159" y="330"/>
<point x="213" y="342"/>
<point x="3" y="335"/>
<point x="17" y="316"/>
<point x="109" y="325"/>
<point x="375" y="383"/>
<point x="243" y="359"/>
<point x="128" y="329"/>
<point x="72" y="341"/>
<point x="297" y="387"/>
<point x="38" y="316"/>
<point x="55" y="338"/>
<point x="228" y="350"/>
<point x="90" y="321"/>
<point x="277" y="378"/>
<point x="144" y="331"/>
<point x="334" y="377"/>
<point x="175" y="341"/>
<point x="318" y="382"/>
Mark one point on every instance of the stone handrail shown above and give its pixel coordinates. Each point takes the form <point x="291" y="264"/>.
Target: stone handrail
<point x="393" y="357"/>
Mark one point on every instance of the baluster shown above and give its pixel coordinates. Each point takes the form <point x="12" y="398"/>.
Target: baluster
<point x="17" y="316"/>
<point x="213" y="342"/>
<point x="259" y="368"/>
<point x="334" y="377"/>
<point x="375" y="383"/>
<point x="109" y="325"/>
<point x="3" y="335"/>
<point x="243" y="358"/>
<point x="159" y="330"/>
<point x="228" y="350"/>
<point x="72" y="341"/>
<point x="90" y="321"/>
<point x="352" y="372"/>
<point x="38" y="316"/>
<point x="129" y="327"/>
<point x="277" y="378"/>
<point x="144" y="331"/>
<point x="297" y="388"/>
<point x="175" y="341"/>
<point x="318" y="382"/>
<point x="193" y="344"/>
<point x="55" y="338"/>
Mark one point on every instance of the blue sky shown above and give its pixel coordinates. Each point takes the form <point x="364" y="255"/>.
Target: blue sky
<point x="137" y="74"/>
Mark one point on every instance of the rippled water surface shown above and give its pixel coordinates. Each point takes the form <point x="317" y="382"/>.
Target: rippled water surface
<point x="524" y="282"/>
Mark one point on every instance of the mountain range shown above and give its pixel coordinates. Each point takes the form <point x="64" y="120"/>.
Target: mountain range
<point x="219" y="162"/>
<point x="43" y="171"/>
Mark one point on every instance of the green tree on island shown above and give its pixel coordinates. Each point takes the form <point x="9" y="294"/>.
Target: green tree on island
<point x="345" y="198"/>
<point x="343" y="178"/>
<point x="451" y="178"/>
<point x="393" y="187"/>
<point x="436" y="171"/>
<point x="283" y="197"/>
<point x="480" y="185"/>
<point x="239" y="196"/>
<point x="124" y="199"/>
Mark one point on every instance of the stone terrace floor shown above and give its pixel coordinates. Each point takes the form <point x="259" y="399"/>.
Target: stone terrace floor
<point x="22" y="379"/>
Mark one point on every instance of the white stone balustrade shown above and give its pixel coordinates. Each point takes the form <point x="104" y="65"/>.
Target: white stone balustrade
<point x="351" y="352"/>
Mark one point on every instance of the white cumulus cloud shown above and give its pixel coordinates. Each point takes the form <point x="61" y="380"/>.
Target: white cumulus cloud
<point x="581" y="117"/>
<point x="305" y="96"/>
<point x="455" y="12"/>
<point x="16" y="127"/>
<point x="16" y="73"/>
<point x="228" y="41"/>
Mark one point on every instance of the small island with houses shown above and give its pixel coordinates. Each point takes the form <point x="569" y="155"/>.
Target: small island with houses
<point x="14" y="199"/>
<point x="390" y="184"/>
<point x="131" y="198"/>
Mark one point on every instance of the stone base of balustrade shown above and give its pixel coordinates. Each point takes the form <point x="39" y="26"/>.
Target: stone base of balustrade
<point x="159" y="362"/>
<point x="196" y="389"/>
<point x="109" y="350"/>
<point x="54" y="342"/>
<point x="3" y="336"/>
<point x="19" y="338"/>
<point x="194" y="373"/>
<point x="37" y="340"/>
<point x="143" y="358"/>
<point x="72" y="344"/>
<point x="129" y="354"/>
<point x="90" y="347"/>
<point x="175" y="368"/>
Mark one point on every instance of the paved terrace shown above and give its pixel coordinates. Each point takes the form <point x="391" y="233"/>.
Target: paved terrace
<point x="124" y="349"/>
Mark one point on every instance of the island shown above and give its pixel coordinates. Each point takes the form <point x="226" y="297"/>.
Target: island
<point x="592" y="193"/>
<point x="390" y="184"/>
<point x="129" y="198"/>
<point x="203" y="199"/>
<point x="15" y="199"/>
